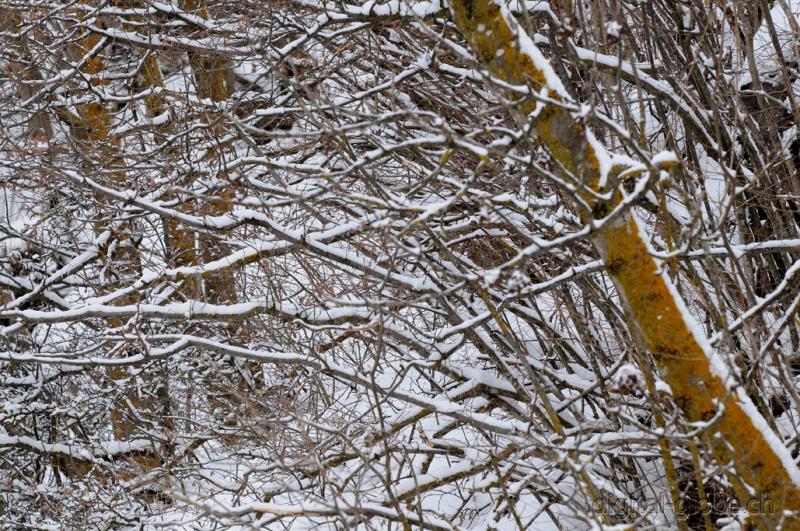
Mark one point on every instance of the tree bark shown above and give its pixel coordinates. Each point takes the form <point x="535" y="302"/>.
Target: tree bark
<point x="213" y="76"/>
<point x="91" y="129"/>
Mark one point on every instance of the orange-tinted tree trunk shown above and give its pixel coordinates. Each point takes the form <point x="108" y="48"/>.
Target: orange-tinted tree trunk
<point x="91" y="130"/>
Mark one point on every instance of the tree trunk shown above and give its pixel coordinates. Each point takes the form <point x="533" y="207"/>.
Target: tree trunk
<point x="91" y="129"/>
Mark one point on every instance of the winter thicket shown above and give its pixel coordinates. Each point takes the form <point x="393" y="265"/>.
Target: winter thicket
<point x="399" y="264"/>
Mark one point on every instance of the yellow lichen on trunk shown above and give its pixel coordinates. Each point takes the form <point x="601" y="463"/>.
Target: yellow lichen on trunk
<point x="95" y="119"/>
<point x="92" y="129"/>
<point x="761" y="481"/>
<point x="764" y="476"/>
<point x="213" y="73"/>
<point x="214" y="79"/>
<point x="213" y="76"/>
<point x="151" y="73"/>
